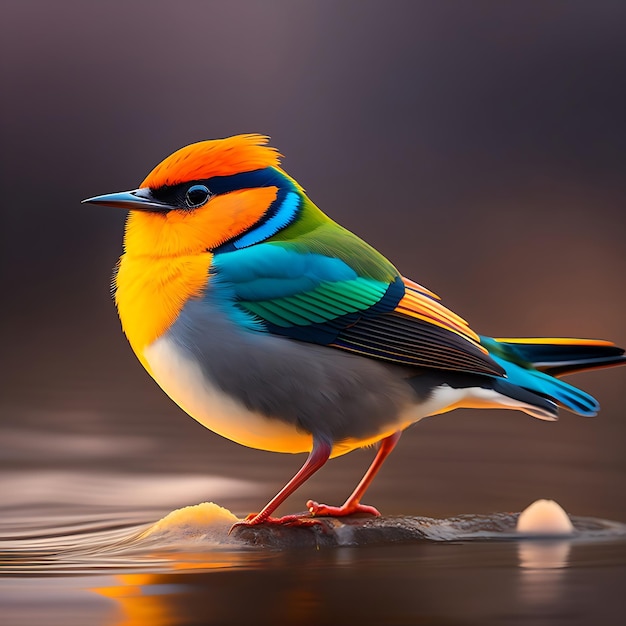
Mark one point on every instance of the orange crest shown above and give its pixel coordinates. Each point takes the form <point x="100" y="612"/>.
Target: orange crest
<point x="218" y="157"/>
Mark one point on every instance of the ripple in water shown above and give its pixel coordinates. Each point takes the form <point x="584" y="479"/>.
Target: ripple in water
<point x="183" y="539"/>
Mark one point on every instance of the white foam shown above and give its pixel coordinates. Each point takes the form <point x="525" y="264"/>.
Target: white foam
<point x="544" y="517"/>
<point x="205" y="522"/>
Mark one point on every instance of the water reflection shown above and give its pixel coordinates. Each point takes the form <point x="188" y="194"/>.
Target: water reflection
<point x="136" y="608"/>
<point x="193" y="595"/>
<point x="538" y="556"/>
<point x="429" y="583"/>
<point x="543" y="566"/>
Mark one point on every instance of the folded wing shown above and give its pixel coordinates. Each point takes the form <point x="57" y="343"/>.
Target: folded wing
<point x="313" y="297"/>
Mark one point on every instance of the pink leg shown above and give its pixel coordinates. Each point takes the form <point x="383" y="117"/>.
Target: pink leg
<point x="317" y="457"/>
<point x="353" y="504"/>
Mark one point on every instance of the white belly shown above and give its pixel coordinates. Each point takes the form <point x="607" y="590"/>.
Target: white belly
<point x="184" y="382"/>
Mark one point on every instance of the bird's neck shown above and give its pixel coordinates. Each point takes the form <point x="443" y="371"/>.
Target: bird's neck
<point x="151" y="291"/>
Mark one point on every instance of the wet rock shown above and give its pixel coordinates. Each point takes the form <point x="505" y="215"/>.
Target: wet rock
<point x="333" y="532"/>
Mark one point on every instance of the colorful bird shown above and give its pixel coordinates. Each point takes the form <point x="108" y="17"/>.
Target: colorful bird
<point x="277" y="328"/>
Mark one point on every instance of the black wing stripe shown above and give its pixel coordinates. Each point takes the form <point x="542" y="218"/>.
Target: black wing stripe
<point x="412" y="341"/>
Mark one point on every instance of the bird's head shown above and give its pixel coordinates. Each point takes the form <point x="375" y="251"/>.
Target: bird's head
<point x="220" y="194"/>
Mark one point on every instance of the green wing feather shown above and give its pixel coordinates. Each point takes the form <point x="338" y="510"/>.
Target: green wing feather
<point x="317" y="282"/>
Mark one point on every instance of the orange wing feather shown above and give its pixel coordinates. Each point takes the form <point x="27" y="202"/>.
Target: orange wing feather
<point x="423" y="304"/>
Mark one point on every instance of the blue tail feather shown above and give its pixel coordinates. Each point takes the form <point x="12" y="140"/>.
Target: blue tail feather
<point x="563" y="393"/>
<point x="533" y="364"/>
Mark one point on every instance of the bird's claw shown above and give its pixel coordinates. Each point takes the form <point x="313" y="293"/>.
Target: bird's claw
<point x="319" y="510"/>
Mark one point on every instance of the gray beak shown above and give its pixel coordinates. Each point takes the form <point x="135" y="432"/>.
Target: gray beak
<point x="136" y="200"/>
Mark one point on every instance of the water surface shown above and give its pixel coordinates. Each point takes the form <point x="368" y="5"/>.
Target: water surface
<point x="87" y="536"/>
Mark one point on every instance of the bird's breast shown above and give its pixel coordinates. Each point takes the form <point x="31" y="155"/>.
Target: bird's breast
<point x="150" y="293"/>
<point x="183" y="378"/>
<point x="272" y="393"/>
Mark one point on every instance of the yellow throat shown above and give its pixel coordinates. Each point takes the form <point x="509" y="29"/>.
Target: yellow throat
<point x="167" y="258"/>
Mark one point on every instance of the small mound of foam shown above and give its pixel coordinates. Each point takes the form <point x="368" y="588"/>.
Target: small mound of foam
<point x="200" y="522"/>
<point x="544" y="517"/>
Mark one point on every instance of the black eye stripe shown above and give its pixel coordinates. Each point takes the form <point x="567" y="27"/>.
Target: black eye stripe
<point x="175" y="195"/>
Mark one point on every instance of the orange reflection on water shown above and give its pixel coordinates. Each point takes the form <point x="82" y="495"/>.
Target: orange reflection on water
<point x="136" y="607"/>
<point x="148" y="599"/>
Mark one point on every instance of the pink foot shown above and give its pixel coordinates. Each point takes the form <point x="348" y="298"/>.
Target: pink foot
<point x="255" y="519"/>
<point x="340" y="511"/>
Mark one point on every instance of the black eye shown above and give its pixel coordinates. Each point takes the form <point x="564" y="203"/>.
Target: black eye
<point x="196" y="196"/>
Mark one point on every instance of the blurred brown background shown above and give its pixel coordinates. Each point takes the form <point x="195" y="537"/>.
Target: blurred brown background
<point x="481" y="146"/>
